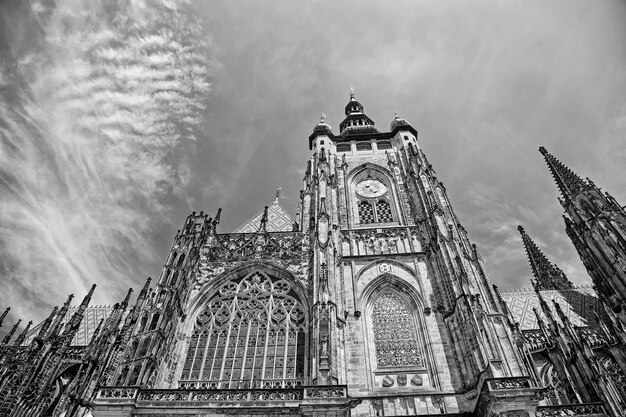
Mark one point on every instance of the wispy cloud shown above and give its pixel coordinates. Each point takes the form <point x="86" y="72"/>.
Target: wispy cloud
<point x="93" y="114"/>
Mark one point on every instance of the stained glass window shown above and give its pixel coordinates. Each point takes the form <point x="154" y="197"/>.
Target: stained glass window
<point x="395" y="336"/>
<point x="250" y="334"/>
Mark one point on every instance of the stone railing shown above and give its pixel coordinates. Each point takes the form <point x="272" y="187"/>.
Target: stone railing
<point x="156" y="398"/>
<point x="590" y="409"/>
<point x="378" y="241"/>
<point x="265" y="384"/>
<point x="108" y="394"/>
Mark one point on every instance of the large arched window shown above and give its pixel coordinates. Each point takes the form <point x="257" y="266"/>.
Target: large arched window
<point x="395" y="335"/>
<point x="251" y="333"/>
<point x="374" y="197"/>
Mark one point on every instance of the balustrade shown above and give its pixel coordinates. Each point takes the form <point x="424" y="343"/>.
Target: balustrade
<point x="202" y="397"/>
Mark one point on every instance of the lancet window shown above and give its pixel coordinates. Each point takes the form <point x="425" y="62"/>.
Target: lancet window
<point x="251" y="333"/>
<point x="395" y="335"/>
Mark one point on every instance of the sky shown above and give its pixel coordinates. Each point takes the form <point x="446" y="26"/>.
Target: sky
<point x="119" y="118"/>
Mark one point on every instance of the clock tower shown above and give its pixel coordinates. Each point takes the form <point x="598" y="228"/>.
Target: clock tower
<point x="406" y="317"/>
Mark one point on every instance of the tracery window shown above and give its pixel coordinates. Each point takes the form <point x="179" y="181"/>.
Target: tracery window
<point x="251" y="333"/>
<point x="395" y="335"/>
<point x="377" y="211"/>
<point x="366" y="212"/>
<point x="383" y="211"/>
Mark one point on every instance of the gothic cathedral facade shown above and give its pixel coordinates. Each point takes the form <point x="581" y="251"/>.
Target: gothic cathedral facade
<point x="371" y="302"/>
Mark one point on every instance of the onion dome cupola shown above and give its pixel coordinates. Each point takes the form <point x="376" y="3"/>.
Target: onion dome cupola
<point x="356" y="121"/>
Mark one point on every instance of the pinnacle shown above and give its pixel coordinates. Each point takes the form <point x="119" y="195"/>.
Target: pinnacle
<point x="547" y="275"/>
<point x="569" y="183"/>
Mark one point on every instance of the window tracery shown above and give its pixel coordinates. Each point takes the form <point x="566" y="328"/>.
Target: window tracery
<point x="395" y="335"/>
<point x="373" y="197"/>
<point x="366" y="212"/>
<point x="250" y="334"/>
<point x="383" y="211"/>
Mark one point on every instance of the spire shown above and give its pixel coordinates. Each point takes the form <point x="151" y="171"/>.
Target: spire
<point x="126" y="299"/>
<point x="503" y="306"/>
<point x="58" y="321"/>
<point x="72" y="326"/>
<point x="218" y="216"/>
<point x="356" y="121"/>
<point x="20" y="339"/>
<point x="9" y="335"/>
<point x="263" y="223"/>
<point x="47" y="322"/>
<point x="4" y="315"/>
<point x="546" y="310"/>
<point x="547" y="275"/>
<point x="569" y="183"/>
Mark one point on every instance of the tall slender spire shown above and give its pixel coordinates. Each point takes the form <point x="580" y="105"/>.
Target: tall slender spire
<point x="569" y="183"/>
<point x="547" y="275"/>
<point x="4" y="315"/>
<point x="9" y="335"/>
<point x="20" y="339"/>
<point x="263" y="223"/>
<point x="47" y="322"/>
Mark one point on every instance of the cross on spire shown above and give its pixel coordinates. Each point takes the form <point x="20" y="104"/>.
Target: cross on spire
<point x="569" y="183"/>
<point x="547" y="275"/>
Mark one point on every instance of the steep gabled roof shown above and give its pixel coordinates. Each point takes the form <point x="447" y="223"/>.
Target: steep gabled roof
<point x="277" y="220"/>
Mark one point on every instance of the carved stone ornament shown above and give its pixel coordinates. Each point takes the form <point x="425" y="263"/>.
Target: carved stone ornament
<point x="388" y="381"/>
<point x="417" y="381"/>
<point x="384" y="268"/>
<point x="401" y="380"/>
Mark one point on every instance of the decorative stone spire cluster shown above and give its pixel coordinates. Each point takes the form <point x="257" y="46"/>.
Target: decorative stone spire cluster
<point x="547" y="275"/>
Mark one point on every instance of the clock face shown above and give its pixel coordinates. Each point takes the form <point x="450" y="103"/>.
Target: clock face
<point x="370" y="188"/>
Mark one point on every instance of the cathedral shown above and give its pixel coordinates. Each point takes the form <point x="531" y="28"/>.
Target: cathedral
<point x="370" y="301"/>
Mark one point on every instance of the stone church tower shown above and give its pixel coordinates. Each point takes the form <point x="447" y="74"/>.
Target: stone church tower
<point x="371" y="302"/>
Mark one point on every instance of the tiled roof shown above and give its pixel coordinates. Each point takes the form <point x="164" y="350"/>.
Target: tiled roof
<point x="277" y="220"/>
<point x="578" y="304"/>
